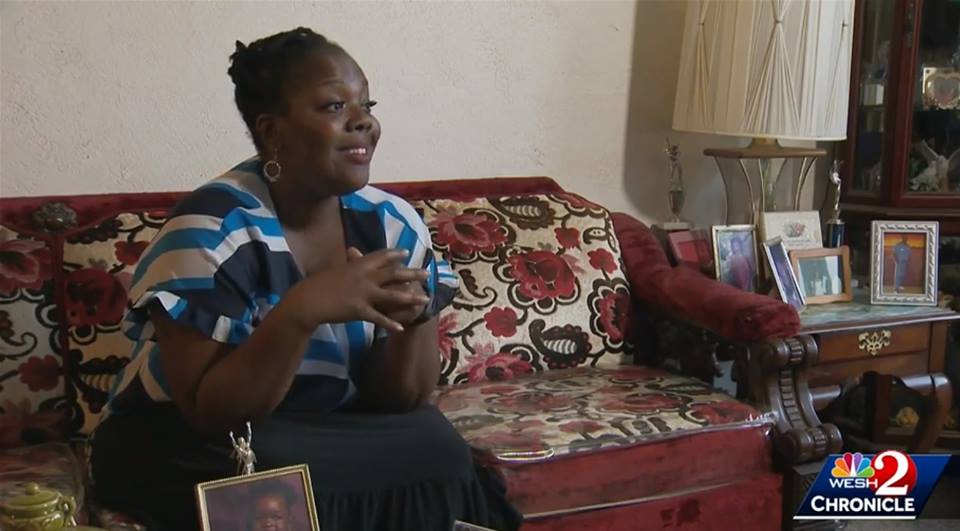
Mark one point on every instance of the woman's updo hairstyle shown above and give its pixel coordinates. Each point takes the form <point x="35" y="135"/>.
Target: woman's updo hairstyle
<point x="261" y="70"/>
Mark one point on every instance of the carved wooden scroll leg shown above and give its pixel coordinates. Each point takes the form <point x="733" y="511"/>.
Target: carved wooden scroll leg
<point x="777" y="385"/>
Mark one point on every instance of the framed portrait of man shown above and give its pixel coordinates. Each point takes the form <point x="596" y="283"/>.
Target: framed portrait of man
<point x="903" y="262"/>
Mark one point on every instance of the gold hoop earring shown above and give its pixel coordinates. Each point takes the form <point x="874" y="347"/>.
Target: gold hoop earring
<point x="272" y="170"/>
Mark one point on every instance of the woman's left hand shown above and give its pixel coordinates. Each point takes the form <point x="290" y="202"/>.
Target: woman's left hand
<point x="406" y="314"/>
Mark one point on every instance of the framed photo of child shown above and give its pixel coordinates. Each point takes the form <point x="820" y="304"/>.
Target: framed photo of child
<point x="276" y="500"/>
<point x="735" y="256"/>
<point x="903" y="262"/>
<point x="823" y="274"/>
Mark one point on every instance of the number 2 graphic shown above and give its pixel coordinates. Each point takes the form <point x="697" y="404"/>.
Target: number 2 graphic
<point x="903" y="466"/>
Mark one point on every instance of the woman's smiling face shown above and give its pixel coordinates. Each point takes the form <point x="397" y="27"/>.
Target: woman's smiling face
<point x="326" y="139"/>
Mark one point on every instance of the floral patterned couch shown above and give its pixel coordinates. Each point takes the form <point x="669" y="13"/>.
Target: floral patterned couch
<point x="539" y="354"/>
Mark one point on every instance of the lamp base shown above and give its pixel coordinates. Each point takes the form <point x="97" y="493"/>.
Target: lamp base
<point x="763" y="176"/>
<point x="765" y="148"/>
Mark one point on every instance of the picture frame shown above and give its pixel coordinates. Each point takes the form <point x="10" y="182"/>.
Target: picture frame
<point x="782" y="272"/>
<point x="940" y="87"/>
<point x="692" y="247"/>
<point x="735" y="256"/>
<point x="823" y="274"/>
<point x="240" y="502"/>
<point x="796" y="229"/>
<point x="903" y="262"/>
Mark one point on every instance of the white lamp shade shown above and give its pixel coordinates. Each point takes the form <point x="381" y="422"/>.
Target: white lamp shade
<point x="766" y="68"/>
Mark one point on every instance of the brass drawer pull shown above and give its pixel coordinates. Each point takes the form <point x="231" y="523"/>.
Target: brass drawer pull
<point x="873" y="342"/>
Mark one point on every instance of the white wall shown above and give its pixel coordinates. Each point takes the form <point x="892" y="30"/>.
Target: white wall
<point x="131" y="96"/>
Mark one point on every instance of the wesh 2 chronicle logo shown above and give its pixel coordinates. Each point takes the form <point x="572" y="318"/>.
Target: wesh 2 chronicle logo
<point x="889" y="485"/>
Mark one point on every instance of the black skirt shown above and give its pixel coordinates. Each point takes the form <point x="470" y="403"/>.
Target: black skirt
<point x="403" y="472"/>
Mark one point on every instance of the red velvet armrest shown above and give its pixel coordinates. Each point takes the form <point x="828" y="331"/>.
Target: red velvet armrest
<point x="687" y="294"/>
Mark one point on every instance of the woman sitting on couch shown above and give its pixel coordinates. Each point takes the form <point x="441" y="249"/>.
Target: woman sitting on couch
<point x="289" y="292"/>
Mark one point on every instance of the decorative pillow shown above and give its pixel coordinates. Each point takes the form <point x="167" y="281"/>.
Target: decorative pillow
<point x="542" y="285"/>
<point x="98" y="266"/>
<point x="34" y="407"/>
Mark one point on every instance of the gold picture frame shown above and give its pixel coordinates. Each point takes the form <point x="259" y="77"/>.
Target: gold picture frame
<point x="258" y="496"/>
<point x="746" y="275"/>
<point x="817" y="275"/>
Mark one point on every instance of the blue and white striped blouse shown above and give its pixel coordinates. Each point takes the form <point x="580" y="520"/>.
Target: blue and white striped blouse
<point x="221" y="262"/>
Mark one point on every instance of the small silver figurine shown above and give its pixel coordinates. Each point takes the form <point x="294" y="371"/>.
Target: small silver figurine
<point x="675" y="193"/>
<point x="834" y="176"/>
<point x="243" y="452"/>
<point x="834" y="225"/>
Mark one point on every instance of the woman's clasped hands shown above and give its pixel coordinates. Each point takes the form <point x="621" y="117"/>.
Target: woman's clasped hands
<point x="376" y="287"/>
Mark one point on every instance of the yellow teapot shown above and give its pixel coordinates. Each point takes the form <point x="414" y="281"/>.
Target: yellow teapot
<point x="37" y="510"/>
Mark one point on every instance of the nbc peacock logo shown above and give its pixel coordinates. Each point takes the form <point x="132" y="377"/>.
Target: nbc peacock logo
<point x="852" y="466"/>
<point x="853" y="471"/>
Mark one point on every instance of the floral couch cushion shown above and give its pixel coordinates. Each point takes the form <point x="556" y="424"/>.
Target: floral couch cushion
<point x="35" y="398"/>
<point x="62" y="297"/>
<point x="98" y="266"/>
<point x="542" y="285"/>
<point x="566" y="412"/>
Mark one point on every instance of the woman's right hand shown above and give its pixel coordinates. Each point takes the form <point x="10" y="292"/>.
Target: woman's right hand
<point x="358" y="290"/>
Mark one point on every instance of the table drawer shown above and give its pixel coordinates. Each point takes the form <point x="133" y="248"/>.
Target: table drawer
<point x="836" y="373"/>
<point x="874" y="342"/>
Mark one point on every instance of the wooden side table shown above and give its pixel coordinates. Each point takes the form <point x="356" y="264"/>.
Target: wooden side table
<point x="859" y="343"/>
<point x="842" y="344"/>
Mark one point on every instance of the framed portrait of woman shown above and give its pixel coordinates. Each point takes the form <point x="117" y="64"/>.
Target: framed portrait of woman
<point x="735" y="256"/>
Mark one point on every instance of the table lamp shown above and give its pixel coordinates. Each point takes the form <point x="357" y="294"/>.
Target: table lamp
<point x="768" y="70"/>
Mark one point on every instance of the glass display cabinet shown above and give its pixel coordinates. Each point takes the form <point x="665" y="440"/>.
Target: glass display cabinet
<point x="902" y="153"/>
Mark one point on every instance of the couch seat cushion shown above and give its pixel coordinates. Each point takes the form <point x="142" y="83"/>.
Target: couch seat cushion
<point x="570" y="440"/>
<point x="580" y="410"/>
<point x="749" y="505"/>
